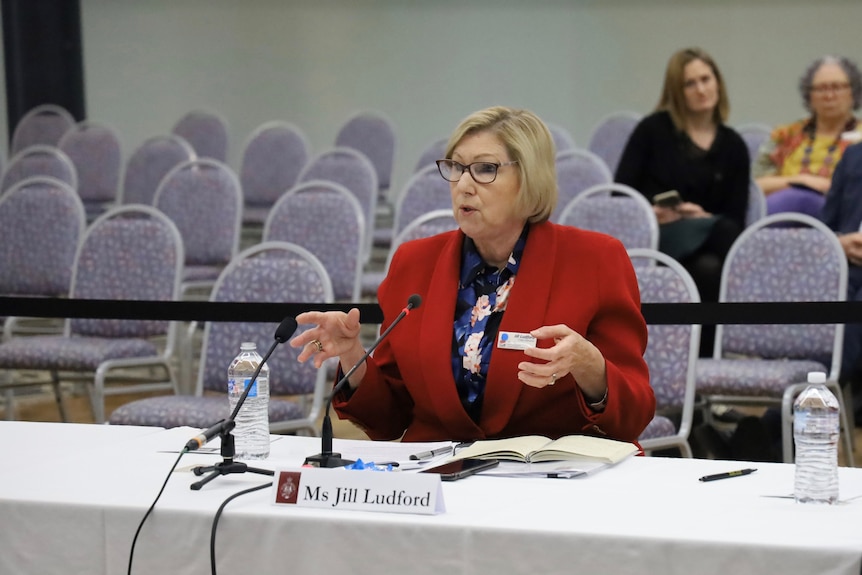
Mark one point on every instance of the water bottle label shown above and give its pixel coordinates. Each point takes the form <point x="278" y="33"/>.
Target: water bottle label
<point x="236" y="387"/>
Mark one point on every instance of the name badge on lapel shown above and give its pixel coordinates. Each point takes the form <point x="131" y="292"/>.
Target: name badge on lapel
<point x="514" y="340"/>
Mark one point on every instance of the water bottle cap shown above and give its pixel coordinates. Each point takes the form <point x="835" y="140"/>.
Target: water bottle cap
<point x="816" y="377"/>
<point x="249" y="345"/>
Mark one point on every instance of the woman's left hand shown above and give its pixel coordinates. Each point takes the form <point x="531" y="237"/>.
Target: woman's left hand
<point x="570" y="354"/>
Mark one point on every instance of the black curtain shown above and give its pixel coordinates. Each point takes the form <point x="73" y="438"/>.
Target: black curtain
<point x="43" y="56"/>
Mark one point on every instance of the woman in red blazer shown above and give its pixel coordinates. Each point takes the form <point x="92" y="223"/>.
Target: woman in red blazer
<point x="463" y="366"/>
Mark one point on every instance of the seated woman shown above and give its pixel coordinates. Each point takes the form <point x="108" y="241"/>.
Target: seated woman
<point x="686" y="146"/>
<point x="526" y="327"/>
<point x="794" y="167"/>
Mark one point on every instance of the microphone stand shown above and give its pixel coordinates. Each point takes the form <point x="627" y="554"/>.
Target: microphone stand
<point x="326" y="457"/>
<point x="228" y="465"/>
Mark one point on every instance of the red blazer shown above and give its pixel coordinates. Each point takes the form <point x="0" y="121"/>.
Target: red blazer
<point x="569" y="276"/>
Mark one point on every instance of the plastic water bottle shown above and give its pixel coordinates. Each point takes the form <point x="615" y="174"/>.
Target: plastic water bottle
<point x="251" y="433"/>
<point x="815" y="431"/>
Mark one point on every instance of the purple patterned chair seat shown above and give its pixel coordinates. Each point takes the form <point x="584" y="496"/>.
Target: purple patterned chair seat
<point x="191" y="410"/>
<point x="752" y="377"/>
<point x="659" y="427"/>
<point x="192" y="273"/>
<point x="70" y="353"/>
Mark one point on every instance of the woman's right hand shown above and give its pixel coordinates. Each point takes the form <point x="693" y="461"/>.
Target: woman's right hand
<point x="335" y="334"/>
<point x="819" y="183"/>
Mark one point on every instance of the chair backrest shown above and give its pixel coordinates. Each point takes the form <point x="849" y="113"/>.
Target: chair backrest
<point x="672" y="350"/>
<point x="206" y="131"/>
<point x="40" y="160"/>
<point x="434" y="151"/>
<point x="610" y="136"/>
<point x="354" y="171"/>
<point x="424" y="192"/>
<point x="617" y="210"/>
<point x="268" y="272"/>
<point x="203" y="198"/>
<point x="428" y="224"/>
<point x="326" y="219"/>
<point x="41" y="223"/>
<point x="42" y="125"/>
<point x="373" y="134"/>
<point x="804" y="263"/>
<point x="128" y="253"/>
<point x="754" y="135"/>
<point x="756" y="203"/>
<point x="150" y="163"/>
<point x="95" y="151"/>
<point x="272" y="159"/>
<point x="563" y="139"/>
<point x="578" y="170"/>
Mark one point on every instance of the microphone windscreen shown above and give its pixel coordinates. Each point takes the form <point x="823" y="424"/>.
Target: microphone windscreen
<point x="285" y="329"/>
<point x="414" y="301"/>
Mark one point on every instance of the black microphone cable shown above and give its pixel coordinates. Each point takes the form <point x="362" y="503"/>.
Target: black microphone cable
<point x="150" y="510"/>
<point x="218" y="515"/>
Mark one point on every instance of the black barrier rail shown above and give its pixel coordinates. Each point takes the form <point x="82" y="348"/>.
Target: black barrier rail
<point x="654" y="313"/>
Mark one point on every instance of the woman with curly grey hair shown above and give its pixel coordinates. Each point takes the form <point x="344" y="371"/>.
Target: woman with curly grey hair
<point x="794" y="167"/>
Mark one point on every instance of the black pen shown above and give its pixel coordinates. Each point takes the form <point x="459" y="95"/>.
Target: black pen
<point x="431" y="454"/>
<point x="727" y="474"/>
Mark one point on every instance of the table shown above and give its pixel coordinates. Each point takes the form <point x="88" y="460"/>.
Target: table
<point x="72" y="495"/>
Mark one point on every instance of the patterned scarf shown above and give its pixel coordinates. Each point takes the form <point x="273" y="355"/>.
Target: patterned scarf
<point x="483" y="293"/>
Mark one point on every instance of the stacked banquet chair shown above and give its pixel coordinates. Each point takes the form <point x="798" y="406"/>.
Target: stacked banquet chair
<point x="272" y="158"/>
<point x="578" y="170"/>
<point x="207" y="133"/>
<point x="268" y="272"/>
<point x="327" y="220"/>
<point x="41" y="224"/>
<point x="354" y="171"/>
<point x="128" y="253"/>
<point x="610" y="136"/>
<point x="616" y="210"/>
<point x="95" y="150"/>
<point x="149" y="164"/>
<point x="767" y="365"/>
<point x="42" y="125"/>
<point x="40" y="160"/>
<point x="671" y="352"/>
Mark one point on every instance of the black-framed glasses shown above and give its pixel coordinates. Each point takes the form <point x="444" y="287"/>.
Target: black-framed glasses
<point x="481" y="172"/>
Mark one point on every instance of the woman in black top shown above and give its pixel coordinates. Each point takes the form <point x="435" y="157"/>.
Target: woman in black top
<point x="686" y="146"/>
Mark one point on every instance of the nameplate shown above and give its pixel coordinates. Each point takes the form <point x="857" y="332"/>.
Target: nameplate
<point x="359" y="490"/>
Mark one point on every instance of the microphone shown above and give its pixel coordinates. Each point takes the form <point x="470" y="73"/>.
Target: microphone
<point x="326" y="457"/>
<point x="282" y="333"/>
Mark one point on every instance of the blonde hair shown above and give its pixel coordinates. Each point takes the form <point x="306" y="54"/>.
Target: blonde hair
<point x="527" y="141"/>
<point x="673" y="92"/>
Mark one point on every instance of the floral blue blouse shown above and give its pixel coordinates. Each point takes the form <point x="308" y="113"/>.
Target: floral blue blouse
<point x="483" y="293"/>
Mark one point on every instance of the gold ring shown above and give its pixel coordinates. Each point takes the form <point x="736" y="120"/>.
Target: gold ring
<point x="317" y="344"/>
<point x="553" y="379"/>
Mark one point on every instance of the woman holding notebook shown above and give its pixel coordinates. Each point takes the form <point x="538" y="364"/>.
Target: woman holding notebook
<point x="526" y="327"/>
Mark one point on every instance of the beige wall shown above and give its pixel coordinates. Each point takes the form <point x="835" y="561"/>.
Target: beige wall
<point x="427" y="63"/>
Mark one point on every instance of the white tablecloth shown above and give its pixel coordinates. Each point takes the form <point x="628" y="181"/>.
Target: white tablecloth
<point x="71" y="497"/>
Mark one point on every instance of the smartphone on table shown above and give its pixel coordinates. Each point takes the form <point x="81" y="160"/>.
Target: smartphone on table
<point x="669" y="199"/>
<point x="455" y="470"/>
